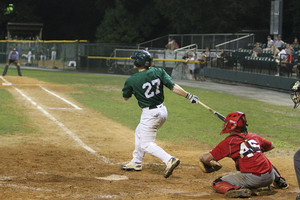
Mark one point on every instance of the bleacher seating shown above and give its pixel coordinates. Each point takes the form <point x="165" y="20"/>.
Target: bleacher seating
<point x="266" y="53"/>
<point x="240" y="54"/>
<point x="265" y="63"/>
<point x="296" y="47"/>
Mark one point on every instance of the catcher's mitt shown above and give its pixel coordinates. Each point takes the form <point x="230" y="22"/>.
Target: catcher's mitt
<point x="211" y="167"/>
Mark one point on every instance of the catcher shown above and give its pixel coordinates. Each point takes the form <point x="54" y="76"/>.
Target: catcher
<point x="295" y="96"/>
<point x="246" y="149"/>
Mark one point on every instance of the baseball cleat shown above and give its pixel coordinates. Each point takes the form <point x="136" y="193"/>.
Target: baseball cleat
<point x="172" y="164"/>
<point x="281" y="183"/>
<point x="132" y="167"/>
<point x="239" y="193"/>
<point x="298" y="197"/>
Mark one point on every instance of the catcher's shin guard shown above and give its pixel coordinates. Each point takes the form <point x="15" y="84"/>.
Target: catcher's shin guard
<point x="222" y="187"/>
<point x="279" y="181"/>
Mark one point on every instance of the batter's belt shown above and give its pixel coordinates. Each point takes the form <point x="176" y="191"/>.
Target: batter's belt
<point x="154" y="107"/>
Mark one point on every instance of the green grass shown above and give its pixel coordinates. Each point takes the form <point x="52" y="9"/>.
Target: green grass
<point x="279" y="124"/>
<point x="13" y="119"/>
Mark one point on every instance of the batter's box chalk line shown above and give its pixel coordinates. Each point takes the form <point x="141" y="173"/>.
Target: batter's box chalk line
<point x="6" y="83"/>
<point x="113" y="177"/>
<point x="63" y="127"/>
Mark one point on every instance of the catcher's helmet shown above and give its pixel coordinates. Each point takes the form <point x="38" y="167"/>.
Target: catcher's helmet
<point x="235" y="121"/>
<point x="142" y="59"/>
<point x="295" y="95"/>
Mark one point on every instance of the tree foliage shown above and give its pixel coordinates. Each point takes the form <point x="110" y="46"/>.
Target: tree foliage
<point x="157" y="18"/>
<point x="133" y="21"/>
<point x="128" y="21"/>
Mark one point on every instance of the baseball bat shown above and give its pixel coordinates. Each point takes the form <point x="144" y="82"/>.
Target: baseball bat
<point x="220" y="116"/>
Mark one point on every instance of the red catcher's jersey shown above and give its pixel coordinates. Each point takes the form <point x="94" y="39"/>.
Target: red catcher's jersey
<point x="234" y="146"/>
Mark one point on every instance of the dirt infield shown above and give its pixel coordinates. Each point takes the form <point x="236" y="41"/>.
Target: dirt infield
<point x="79" y="152"/>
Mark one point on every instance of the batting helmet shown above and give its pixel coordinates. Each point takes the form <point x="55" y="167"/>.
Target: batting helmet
<point x="295" y="95"/>
<point x="142" y="59"/>
<point x="235" y="121"/>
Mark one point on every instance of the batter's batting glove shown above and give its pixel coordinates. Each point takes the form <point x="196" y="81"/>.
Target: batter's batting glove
<point x="192" y="98"/>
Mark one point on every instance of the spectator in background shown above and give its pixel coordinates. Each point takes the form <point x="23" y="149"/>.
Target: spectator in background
<point x="200" y="65"/>
<point x="207" y="54"/>
<point x="270" y="42"/>
<point x="197" y="69"/>
<point x="42" y="54"/>
<point x="275" y="51"/>
<point x="195" y="56"/>
<point x="222" y="58"/>
<point x="223" y="54"/>
<point x="256" y="50"/>
<point x="176" y="44"/>
<point x="282" y="55"/>
<point x="279" y="44"/>
<point x="289" y="48"/>
<point x="172" y="44"/>
<point x="191" y="65"/>
<point x="185" y="65"/>
<point x="53" y="53"/>
<point x="28" y="56"/>
<point x="287" y="61"/>
<point x="295" y="41"/>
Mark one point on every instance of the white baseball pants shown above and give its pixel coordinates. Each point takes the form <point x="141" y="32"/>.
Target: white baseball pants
<point x="145" y="134"/>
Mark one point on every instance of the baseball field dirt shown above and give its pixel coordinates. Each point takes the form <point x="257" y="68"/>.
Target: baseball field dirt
<point x="78" y="153"/>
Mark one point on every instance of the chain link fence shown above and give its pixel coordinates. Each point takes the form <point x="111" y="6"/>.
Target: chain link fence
<point x="74" y="55"/>
<point x="44" y="54"/>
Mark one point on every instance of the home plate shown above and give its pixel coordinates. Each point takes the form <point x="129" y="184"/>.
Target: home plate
<point x="113" y="177"/>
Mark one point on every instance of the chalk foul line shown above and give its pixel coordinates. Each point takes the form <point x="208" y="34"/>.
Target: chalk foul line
<point x="52" y="93"/>
<point x="5" y="81"/>
<point x="68" y="131"/>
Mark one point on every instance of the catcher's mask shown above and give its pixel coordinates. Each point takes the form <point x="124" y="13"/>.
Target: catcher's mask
<point x="235" y="121"/>
<point x="295" y="95"/>
<point x="142" y="59"/>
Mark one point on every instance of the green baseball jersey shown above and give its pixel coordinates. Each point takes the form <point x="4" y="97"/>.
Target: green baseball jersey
<point x="147" y="86"/>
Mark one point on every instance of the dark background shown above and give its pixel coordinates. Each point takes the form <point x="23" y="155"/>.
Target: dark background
<point x="133" y="21"/>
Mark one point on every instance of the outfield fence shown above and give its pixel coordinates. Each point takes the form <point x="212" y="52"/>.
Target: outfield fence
<point x="79" y="55"/>
<point x="76" y="54"/>
<point x="47" y="54"/>
<point x="60" y="54"/>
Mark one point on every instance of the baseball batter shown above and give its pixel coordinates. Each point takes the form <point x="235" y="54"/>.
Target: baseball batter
<point x="295" y="96"/>
<point x="246" y="149"/>
<point x="147" y="86"/>
<point x="13" y="57"/>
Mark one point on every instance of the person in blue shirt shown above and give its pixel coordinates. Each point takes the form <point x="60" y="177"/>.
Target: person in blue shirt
<point x="13" y="57"/>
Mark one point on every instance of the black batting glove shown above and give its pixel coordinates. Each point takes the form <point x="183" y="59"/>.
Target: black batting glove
<point x="192" y="98"/>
